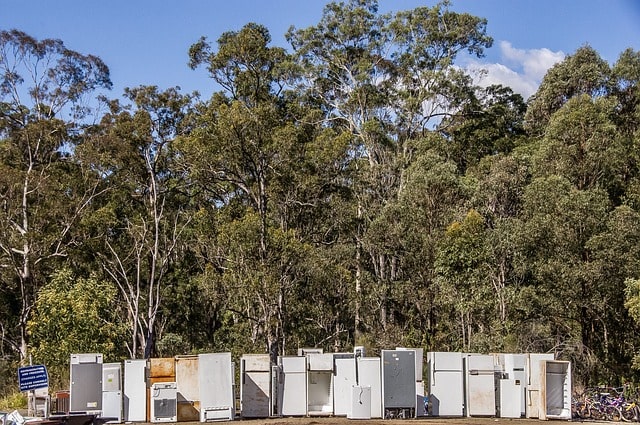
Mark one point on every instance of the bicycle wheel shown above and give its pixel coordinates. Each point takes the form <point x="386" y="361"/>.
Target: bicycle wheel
<point x="628" y="412"/>
<point x="613" y="413"/>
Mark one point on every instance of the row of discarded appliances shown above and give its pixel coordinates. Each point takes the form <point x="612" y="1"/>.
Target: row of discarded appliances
<point x="203" y="387"/>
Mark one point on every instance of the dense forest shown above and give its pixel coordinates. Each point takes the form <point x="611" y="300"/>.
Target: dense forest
<point x="355" y="189"/>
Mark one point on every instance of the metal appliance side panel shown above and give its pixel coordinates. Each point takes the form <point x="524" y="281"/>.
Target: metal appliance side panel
<point x="344" y="378"/>
<point x="135" y="391"/>
<point x="398" y="379"/>
<point x="480" y="385"/>
<point x="419" y="360"/>
<point x="86" y="387"/>
<point x="216" y="380"/>
<point x="255" y="394"/>
<point x="370" y="375"/>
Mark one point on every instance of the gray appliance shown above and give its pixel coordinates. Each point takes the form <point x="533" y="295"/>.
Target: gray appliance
<point x="480" y="397"/>
<point x="255" y="386"/>
<point x="112" y="391"/>
<point x="85" y="393"/>
<point x="344" y="378"/>
<point x="446" y="384"/>
<point x="292" y="386"/>
<point x="398" y="383"/>
<point x="164" y="402"/>
<point x="319" y="384"/>
<point x="370" y="375"/>
<point x="135" y="390"/>
<point x="216" y="378"/>
<point x="534" y="385"/>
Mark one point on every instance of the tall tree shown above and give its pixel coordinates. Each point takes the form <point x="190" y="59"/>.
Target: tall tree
<point x="382" y="79"/>
<point x="43" y="192"/>
<point x="141" y="226"/>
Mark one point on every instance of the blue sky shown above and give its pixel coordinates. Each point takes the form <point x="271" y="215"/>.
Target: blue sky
<point x="146" y="42"/>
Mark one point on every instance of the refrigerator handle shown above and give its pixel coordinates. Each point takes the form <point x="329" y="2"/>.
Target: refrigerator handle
<point x="244" y="368"/>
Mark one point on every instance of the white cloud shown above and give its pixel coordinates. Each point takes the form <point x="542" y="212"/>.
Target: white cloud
<point x="522" y="70"/>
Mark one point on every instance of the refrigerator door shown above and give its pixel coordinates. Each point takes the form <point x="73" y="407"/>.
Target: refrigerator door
<point x="135" y="391"/>
<point x="85" y="393"/>
<point x="446" y="390"/>
<point x="398" y="379"/>
<point x="292" y="386"/>
<point x="217" y="387"/>
<point x="515" y="366"/>
<point x="480" y="385"/>
<point x="188" y="388"/>
<point x="344" y="378"/>
<point x="533" y="382"/>
<point x="369" y="375"/>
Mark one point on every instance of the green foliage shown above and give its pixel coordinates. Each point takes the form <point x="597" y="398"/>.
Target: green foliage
<point x="74" y="314"/>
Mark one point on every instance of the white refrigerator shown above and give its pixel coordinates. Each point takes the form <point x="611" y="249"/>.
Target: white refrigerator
<point x="255" y="386"/>
<point x="480" y="394"/>
<point x="292" y="386"/>
<point x="319" y="384"/>
<point x="135" y="391"/>
<point x="515" y="366"/>
<point x="216" y="379"/>
<point x="534" y="384"/>
<point x="344" y="377"/>
<point x="445" y="383"/>
<point x="369" y="375"/>
<point x="112" y="391"/>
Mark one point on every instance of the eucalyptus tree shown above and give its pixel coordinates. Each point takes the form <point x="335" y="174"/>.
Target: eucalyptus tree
<point x="248" y="153"/>
<point x="383" y="79"/>
<point x="44" y="87"/>
<point x="138" y="231"/>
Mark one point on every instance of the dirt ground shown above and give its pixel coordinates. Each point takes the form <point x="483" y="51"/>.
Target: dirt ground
<point x="422" y="421"/>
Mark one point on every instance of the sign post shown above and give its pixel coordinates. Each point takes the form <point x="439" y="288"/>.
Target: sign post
<point x="31" y="378"/>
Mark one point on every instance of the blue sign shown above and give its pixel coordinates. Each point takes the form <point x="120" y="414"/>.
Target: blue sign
<point x="32" y="377"/>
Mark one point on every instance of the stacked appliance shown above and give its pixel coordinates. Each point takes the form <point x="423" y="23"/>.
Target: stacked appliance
<point x="164" y="402"/>
<point x="370" y="375"/>
<point x="112" y="391"/>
